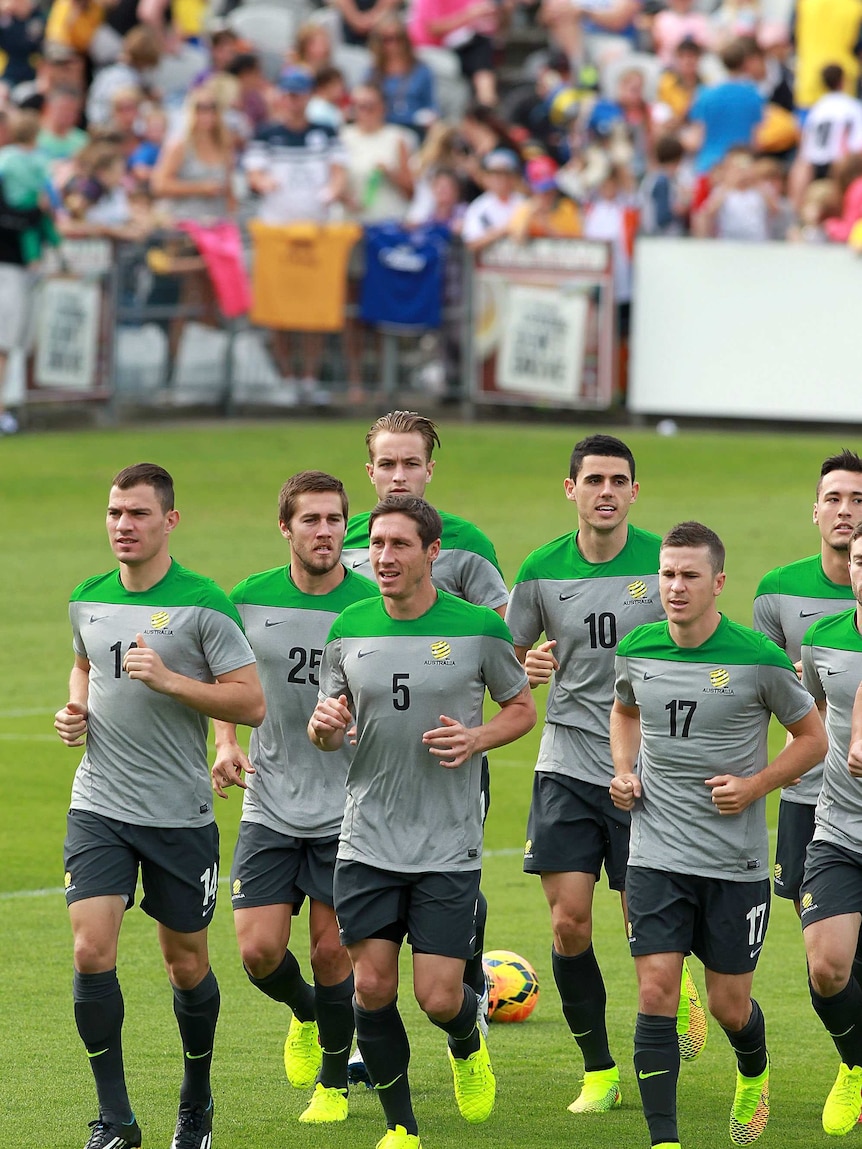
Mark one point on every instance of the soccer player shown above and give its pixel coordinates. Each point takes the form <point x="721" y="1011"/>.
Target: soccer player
<point x="787" y="602"/>
<point x="157" y="650"/>
<point x="400" y="447"/>
<point x="694" y="696"/>
<point x="411" y="670"/>
<point x="292" y="806"/>
<point x="832" y="886"/>
<point x="585" y="590"/>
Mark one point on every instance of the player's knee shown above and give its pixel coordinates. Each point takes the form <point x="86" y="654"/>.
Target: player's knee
<point x="439" y="1001"/>
<point x="260" y="957"/>
<point x="573" y="930"/>
<point x="828" y="975"/>
<point x="730" y="1012"/>
<point x="93" y="955"/>
<point x="374" y="989"/>
<point x="186" y="969"/>
<point x="330" y="960"/>
<point x="658" y="995"/>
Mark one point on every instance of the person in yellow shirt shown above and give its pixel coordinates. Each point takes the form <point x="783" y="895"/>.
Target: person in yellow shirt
<point x="825" y="32"/>
<point x="678" y="84"/>
<point x="547" y="212"/>
<point x="74" y="22"/>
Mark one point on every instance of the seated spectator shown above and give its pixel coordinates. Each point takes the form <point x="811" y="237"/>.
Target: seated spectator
<point x="679" y="84"/>
<point x="467" y="27"/>
<point x="379" y="178"/>
<point x="665" y="199"/>
<point x="59" y="137"/>
<point x="22" y="30"/>
<point x="725" y="115"/>
<point x="738" y="208"/>
<point x="848" y="174"/>
<point x="328" y="98"/>
<point x="138" y="59"/>
<point x="312" y="49"/>
<point x="407" y="84"/>
<point x="143" y="159"/>
<point x="676" y="23"/>
<point x="547" y="212"/>
<point x="253" y="86"/>
<point x="832" y="130"/>
<point x="488" y="217"/>
<point x="194" y="171"/>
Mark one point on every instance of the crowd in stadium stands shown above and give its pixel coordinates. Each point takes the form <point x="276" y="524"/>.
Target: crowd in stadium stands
<point x="664" y="117"/>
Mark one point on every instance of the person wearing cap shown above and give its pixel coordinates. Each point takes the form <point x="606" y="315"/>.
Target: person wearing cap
<point x="488" y="217"/>
<point x="547" y="212"/>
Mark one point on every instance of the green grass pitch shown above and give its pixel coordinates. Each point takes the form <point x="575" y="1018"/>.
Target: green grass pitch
<point x="755" y="490"/>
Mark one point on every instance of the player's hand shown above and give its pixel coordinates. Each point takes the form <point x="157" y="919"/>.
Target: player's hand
<point x="797" y="666"/>
<point x="854" y="759"/>
<point x="143" y="664"/>
<point x="625" y="789"/>
<point x="331" y="716"/>
<point x="231" y="762"/>
<point x="730" y="795"/>
<point x="452" y="743"/>
<point x="71" y="724"/>
<point x="540" y="663"/>
<point x="352" y="736"/>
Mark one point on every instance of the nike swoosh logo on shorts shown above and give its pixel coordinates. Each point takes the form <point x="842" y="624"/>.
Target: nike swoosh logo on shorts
<point x="755" y="951"/>
<point x="275" y="621"/>
<point x="655" y="1073"/>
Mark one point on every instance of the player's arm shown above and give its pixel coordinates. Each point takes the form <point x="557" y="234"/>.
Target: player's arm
<point x="807" y="747"/>
<point x="236" y="696"/>
<point x="231" y="761"/>
<point x="71" y="722"/>
<point x="329" y="722"/>
<point x="625" y="736"/>
<point x="854" y="758"/>
<point x="454" y="743"/>
<point x="539" y="664"/>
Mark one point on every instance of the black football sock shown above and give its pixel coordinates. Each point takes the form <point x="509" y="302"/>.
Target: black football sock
<point x="196" y="1011"/>
<point x="382" y="1041"/>
<point x="749" y="1043"/>
<point x="474" y="974"/>
<point x="99" y="1013"/>
<point x="842" y="1016"/>
<point x="857" y="960"/>
<point x="582" y="992"/>
<point x="462" y="1029"/>
<point x="334" y="1008"/>
<point x="286" y="984"/>
<point x="657" y="1067"/>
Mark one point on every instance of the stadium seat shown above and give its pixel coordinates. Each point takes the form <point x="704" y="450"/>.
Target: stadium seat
<point x="173" y="77"/>
<point x="452" y="90"/>
<point x="354" y="61"/>
<point x="329" y="19"/>
<point x="270" y="29"/>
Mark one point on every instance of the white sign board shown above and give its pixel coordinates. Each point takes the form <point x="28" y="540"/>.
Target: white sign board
<point x="542" y="351"/>
<point x="68" y="333"/>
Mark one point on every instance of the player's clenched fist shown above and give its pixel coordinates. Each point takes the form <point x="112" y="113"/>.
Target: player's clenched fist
<point x="854" y="759"/>
<point x="328" y="723"/>
<point x="625" y="790"/>
<point x="144" y="664"/>
<point x="540" y="663"/>
<point x="71" y="724"/>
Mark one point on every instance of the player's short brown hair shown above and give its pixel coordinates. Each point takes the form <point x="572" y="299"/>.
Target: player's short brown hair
<point x="844" y="461"/>
<point x="305" y="483"/>
<point x="147" y="475"/>
<point x="429" y="525"/>
<point x="606" y="446"/>
<point x="692" y="534"/>
<point x="404" y="423"/>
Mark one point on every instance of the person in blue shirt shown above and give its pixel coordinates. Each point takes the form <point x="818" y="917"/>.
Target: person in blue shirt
<point x="726" y="115"/>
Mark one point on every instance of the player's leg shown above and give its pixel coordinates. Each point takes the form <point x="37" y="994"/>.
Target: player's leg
<point x="474" y="972"/>
<point x="795" y="831"/>
<point x="265" y="896"/>
<point x="440" y="917"/>
<point x="830" y="921"/>
<point x="98" y="860"/>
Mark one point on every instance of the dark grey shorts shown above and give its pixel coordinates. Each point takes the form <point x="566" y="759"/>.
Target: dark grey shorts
<point x="436" y="911"/>
<point x="179" y="867"/>
<point x="273" y="869"/>
<point x="574" y="827"/>
<point x="722" y="922"/>
<point x="832" y="884"/>
<point x="795" y="831"/>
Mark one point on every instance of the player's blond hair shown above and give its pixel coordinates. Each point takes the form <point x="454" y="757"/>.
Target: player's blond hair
<point x="404" y="423"/>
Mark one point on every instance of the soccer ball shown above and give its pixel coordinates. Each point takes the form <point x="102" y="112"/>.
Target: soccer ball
<point x="515" y="985"/>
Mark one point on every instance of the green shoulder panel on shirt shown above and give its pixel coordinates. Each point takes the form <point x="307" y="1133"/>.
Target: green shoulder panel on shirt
<point x="803" y="579"/>
<point x="449" y="616"/>
<point x="462" y="535"/>
<point x="356" y="535"/>
<point x="179" y="587"/>
<point x="561" y="559"/>
<point x="835" y="632"/>
<point x="276" y="588"/>
<point x="731" y="643"/>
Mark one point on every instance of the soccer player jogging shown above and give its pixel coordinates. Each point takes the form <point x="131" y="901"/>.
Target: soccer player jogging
<point x="694" y="696"/>
<point x="157" y="650"/>
<point x="586" y="590"/>
<point x="400" y="448"/>
<point x="293" y="801"/>
<point x="788" y="601"/>
<point x="411" y="670"/>
<point x="832" y="886"/>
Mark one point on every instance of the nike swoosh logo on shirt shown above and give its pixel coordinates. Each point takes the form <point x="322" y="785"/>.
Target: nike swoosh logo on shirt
<point x="97" y="617"/>
<point x="655" y="1073"/>
<point x="809" y="613"/>
<point x="647" y="677"/>
<point x="362" y="653"/>
<point x="830" y="672"/>
<point x="566" y="597"/>
<point x="275" y="621"/>
<point x="358" y="563"/>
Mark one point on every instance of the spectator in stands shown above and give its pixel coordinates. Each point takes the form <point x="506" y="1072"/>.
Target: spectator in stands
<point x="832" y="130"/>
<point x="679" y="84"/>
<point x="123" y="121"/>
<point x="738" y="208"/>
<point x="22" y="30"/>
<point x="676" y="23"/>
<point x="73" y="23"/>
<point x="312" y="48"/>
<point x="848" y="173"/>
<point x="545" y="109"/>
<point x="825" y="32"/>
<point x="821" y="201"/>
<point x="483" y="131"/>
<point x="379" y="176"/>
<point x="467" y="27"/>
<point x="444" y="202"/>
<point x="773" y="80"/>
<point x="726" y="115"/>
<point x="253" y="87"/>
<point x="665" y="199"/>
<point x="60" y="66"/>
<point x="143" y="160"/>
<point x="547" y="211"/>
<point x="407" y="84"/>
<point x="735" y="18"/>
<point x="194" y="171"/>
<point x="442" y="149"/>
<point x="360" y="17"/>
<point x="329" y="98"/>
<point x="637" y="117"/>
<point x="488" y="217"/>
<point x="138" y="59"/>
<point x="595" y="30"/>
<point x="224" y="46"/>
<point x="59" y="137"/>
<point x="25" y="176"/>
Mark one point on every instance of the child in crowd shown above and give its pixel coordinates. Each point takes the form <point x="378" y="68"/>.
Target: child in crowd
<point x="143" y="158"/>
<point x="821" y="202"/>
<point x="738" y="208"/>
<point x="771" y="177"/>
<point x="25" y="175"/>
<point x="328" y="98"/>
<point x="665" y="197"/>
